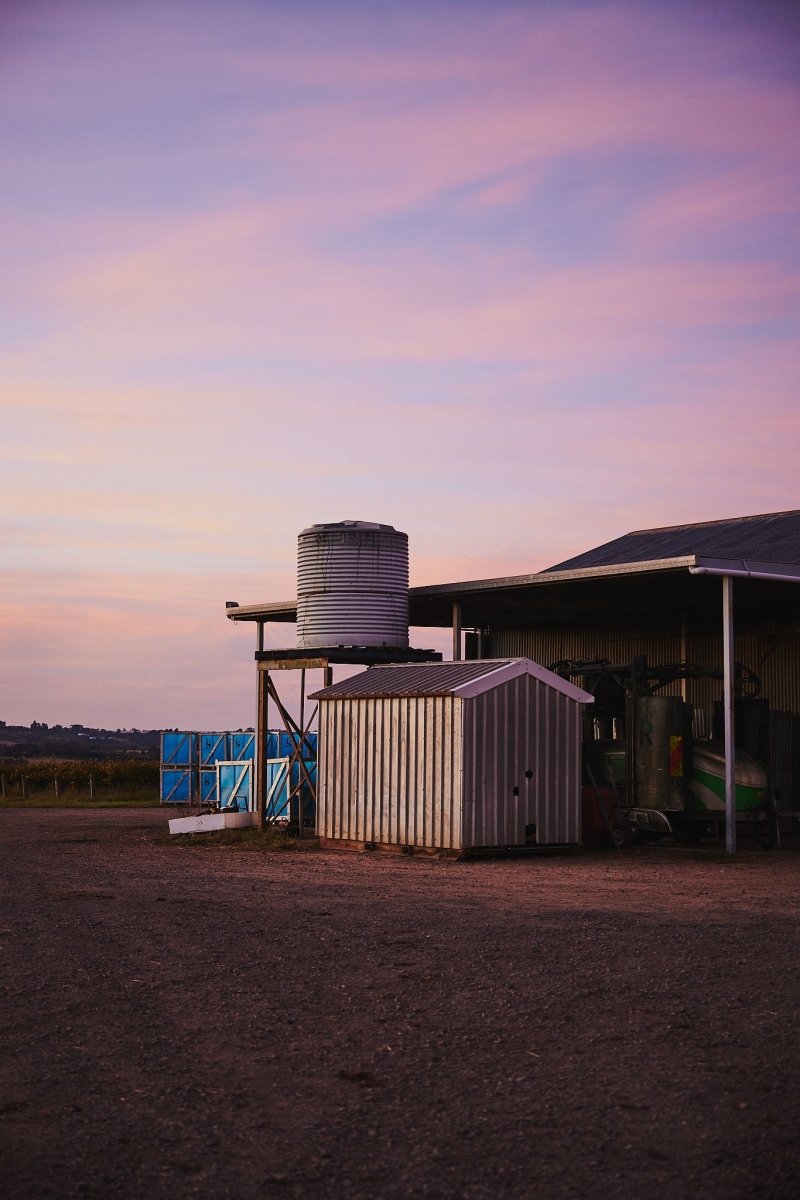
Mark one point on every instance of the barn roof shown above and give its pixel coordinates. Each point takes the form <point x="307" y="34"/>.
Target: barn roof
<point x="765" y="537"/>
<point x="463" y="679"/>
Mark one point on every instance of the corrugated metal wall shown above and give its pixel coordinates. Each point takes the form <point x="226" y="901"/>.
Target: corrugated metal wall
<point x="522" y="726"/>
<point x="547" y="646"/>
<point x="390" y="771"/>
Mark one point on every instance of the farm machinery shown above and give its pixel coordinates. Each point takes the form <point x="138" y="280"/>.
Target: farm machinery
<point x="645" y="769"/>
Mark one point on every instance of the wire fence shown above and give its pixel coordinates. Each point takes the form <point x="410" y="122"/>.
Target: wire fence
<point x="79" y="780"/>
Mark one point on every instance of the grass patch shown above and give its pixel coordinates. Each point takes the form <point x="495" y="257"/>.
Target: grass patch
<point x="112" y="800"/>
<point x="263" y="841"/>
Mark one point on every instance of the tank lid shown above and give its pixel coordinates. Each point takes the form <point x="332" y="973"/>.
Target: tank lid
<point x="326" y="526"/>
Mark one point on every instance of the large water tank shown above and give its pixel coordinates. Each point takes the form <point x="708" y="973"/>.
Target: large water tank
<point x="352" y="585"/>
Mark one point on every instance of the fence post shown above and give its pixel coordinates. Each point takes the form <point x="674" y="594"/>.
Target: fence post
<point x="55" y="785"/>
<point x="91" y="788"/>
<point x="3" y="785"/>
<point x="22" y="785"/>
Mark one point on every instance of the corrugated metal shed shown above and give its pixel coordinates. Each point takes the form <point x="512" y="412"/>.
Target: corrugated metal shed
<point x="451" y="756"/>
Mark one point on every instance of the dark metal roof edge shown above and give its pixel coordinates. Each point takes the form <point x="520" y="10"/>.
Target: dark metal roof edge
<point x="748" y="518"/>
<point x="274" y="610"/>
<point x="286" y="610"/>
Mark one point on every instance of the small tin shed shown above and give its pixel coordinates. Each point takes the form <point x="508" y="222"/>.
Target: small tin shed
<point x="450" y="756"/>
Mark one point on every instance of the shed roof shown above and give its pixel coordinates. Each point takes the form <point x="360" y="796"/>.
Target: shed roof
<point x="765" y="537"/>
<point x="463" y="679"/>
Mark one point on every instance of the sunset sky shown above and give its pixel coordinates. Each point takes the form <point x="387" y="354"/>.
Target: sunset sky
<point x="514" y="277"/>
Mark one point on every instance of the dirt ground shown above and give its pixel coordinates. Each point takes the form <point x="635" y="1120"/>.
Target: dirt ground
<point x="179" y="1021"/>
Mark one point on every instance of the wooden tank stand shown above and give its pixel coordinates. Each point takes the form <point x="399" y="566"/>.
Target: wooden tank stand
<point x="270" y="662"/>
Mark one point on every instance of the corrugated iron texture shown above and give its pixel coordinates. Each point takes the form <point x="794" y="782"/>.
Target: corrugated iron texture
<point x="444" y="772"/>
<point x="523" y="727"/>
<point x="547" y="646"/>
<point x="352" y="585"/>
<point x="390" y="771"/>
<point x="772" y="652"/>
<point x="784" y="760"/>
<point x="422" y="679"/>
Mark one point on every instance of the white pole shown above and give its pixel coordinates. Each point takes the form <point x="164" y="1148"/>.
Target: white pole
<point x="727" y="704"/>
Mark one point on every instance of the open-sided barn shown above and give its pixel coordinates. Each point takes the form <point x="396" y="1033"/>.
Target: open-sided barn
<point x="689" y="602"/>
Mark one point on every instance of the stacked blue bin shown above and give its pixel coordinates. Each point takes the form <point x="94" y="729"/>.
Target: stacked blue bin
<point x="179" y="783"/>
<point x="189" y="764"/>
<point x="281" y="783"/>
<point x="212" y="748"/>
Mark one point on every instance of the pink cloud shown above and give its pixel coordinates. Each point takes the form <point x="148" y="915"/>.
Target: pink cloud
<point x="716" y="203"/>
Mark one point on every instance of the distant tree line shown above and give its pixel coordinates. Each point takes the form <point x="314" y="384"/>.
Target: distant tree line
<point x="76" y="741"/>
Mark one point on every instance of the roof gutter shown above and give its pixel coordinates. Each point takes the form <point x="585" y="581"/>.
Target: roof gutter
<point x="739" y="569"/>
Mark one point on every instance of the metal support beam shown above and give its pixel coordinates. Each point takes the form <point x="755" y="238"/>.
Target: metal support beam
<point x="456" y="632"/>
<point x="727" y="705"/>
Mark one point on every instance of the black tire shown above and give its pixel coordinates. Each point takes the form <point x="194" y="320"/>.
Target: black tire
<point x="621" y="836"/>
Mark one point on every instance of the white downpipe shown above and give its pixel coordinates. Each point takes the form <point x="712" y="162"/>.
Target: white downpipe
<point x="732" y="572"/>
<point x="727" y="703"/>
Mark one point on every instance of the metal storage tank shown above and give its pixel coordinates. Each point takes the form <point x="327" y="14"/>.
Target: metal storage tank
<point x="662" y="733"/>
<point x="450" y="756"/>
<point x="352" y="585"/>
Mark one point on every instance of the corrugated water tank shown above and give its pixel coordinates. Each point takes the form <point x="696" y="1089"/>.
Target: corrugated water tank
<point x="352" y="585"/>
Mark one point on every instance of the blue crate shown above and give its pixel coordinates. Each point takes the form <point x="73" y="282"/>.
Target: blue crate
<point x="277" y="777"/>
<point x="285" y="743"/>
<point x="241" y="746"/>
<point x="280" y="781"/>
<point x="213" y="748"/>
<point x="311" y="767"/>
<point x="235" y="786"/>
<point x="208" y="785"/>
<point x="178" y="785"/>
<point x="178" y="749"/>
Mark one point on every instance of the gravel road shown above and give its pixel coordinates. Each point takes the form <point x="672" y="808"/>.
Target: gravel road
<point x="185" y="1021"/>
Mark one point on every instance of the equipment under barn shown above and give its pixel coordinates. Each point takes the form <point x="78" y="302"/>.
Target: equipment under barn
<point x="450" y="756"/>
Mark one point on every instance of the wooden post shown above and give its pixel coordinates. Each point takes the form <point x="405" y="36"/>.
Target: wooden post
<point x="727" y="707"/>
<point x="259" y="769"/>
<point x="91" y="788"/>
<point x="22" y="784"/>
<point x="262" y="734"/>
